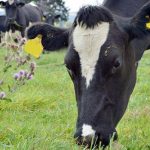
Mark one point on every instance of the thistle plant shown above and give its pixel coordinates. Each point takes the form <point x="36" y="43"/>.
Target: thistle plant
<point x="18" y="69"/>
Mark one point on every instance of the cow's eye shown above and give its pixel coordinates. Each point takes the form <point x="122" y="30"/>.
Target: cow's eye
<point x="116" y="66"/>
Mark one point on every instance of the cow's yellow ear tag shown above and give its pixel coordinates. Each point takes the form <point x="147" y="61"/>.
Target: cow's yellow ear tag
<point x="34" y="47"/>
<point x="148" y="25"/>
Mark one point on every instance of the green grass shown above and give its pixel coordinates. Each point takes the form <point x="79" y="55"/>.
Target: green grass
<point x="42" y="114"/>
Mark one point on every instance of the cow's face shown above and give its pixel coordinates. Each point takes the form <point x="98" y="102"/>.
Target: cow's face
<point x="11" y="7"/>
<point x="102" y="66"/>
<point x="50" y="19"/>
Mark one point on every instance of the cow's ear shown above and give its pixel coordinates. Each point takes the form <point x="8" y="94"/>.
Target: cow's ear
<point x="20" y="4"/>
<point x="139" y="25"/>
<point x="2" y="3"/>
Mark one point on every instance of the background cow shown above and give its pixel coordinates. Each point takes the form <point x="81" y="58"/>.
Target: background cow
<point x="50" y="19"/>
<point x="102" y="61"/>
<point x="19" y="15"/>
<point x="2" y="22"/>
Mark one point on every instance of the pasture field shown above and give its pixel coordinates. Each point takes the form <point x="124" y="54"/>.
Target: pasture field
<point x="42" y="114"/>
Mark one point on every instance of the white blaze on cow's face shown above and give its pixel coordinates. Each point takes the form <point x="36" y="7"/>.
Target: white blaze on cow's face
<point x="10" y="2"/>
<point x="88" y="42"/>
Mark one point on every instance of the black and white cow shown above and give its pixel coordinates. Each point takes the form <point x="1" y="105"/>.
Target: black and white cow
<point x="19" y="15"/>
<point x="103" y="51"/>
<point x="50" y="19"/>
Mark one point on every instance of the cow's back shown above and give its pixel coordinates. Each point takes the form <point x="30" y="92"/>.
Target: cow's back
<point x="34" y="13"/>
<point x="124" y="8"/>
<point x="28" y="14"/>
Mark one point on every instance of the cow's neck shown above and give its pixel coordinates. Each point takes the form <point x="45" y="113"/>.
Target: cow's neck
<point x="124" y="8"/>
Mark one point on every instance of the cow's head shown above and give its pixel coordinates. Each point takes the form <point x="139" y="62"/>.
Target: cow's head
<point x="50" y="19"/>
<point x="11" y="7"/>
<point x="102" y="65"/>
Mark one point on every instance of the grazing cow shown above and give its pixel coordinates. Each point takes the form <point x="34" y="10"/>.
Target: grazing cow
<point x="19" y="15"/>
<point x="102" y="57"/>
<point x="50" y="19"/>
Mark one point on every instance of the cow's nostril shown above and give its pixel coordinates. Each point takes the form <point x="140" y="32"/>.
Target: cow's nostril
<point x="84" y="140"/>
<point x="88" y="141"/>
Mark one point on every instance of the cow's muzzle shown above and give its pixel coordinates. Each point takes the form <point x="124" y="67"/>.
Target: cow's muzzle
<point x="94" y="141"/>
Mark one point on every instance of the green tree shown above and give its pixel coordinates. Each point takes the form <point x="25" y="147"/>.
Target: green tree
<point x="53" y="7"/>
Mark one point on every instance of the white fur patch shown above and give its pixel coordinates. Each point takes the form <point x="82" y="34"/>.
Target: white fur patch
<point x="2" y="12"/>
<point x="87" y="130"/>
<point x="10" y="2"/>
<point x="88" y="44"/>
<point x="33" y="4"/>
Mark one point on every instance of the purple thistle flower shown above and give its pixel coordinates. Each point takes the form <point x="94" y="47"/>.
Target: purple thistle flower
<point x="16" y="76"/>
<point x="22" y="73"/>
<point x="29" y="77"/>
<point x="2" y="95"/>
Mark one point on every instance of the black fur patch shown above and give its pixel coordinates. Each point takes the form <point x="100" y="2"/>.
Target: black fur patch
<point x="90" y="16"/>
